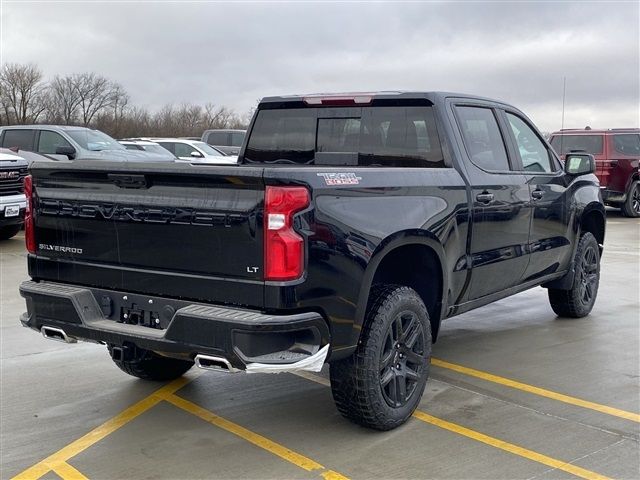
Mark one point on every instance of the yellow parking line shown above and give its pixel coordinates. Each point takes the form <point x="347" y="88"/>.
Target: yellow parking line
<point x="67" y="472"/>
<point x="331" y="475"/>
<point x="98" y="433"/>
<point x="509" y="447"/>
<point x="616" y="412"/>
<point x="486" y="439"/>
<point x="254" y="438"/>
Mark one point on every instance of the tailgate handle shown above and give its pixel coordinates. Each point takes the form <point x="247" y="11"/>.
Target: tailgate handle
<point x="128" y="181"/>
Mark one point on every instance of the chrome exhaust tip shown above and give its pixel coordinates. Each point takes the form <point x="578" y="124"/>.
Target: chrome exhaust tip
<point x="57" y="334"/>
<point x="218" y="364"/>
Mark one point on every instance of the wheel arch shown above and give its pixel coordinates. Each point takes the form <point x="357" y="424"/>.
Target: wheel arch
<point x="593" y="220"/>
<point x="389" y="265"/>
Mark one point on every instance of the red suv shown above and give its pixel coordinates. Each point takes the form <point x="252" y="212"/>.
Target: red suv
<point x="617" y="152"/>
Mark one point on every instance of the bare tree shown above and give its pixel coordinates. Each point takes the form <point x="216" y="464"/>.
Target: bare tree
<point x="21" y="93"/>
<point x="64" y="100"/>
<point x="96" y="94"/>
<point x="94" y="100"/>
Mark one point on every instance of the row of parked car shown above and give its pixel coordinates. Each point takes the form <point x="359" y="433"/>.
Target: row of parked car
<point x="54" y="142"/>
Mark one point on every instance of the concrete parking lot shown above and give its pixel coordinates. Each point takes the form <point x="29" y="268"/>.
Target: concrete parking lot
<point x="515" y="392"/>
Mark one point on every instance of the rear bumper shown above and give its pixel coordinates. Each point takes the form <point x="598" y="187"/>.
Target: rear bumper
<point x="174" y="328"/>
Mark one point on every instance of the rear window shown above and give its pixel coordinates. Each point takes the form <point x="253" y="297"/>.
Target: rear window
<point x="564" y="144"/>
<point x="627" y="144"/>
<point x="23" y="139"/>
<point x="377" y="136"/>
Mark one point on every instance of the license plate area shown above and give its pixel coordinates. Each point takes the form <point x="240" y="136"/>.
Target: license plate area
<point x="136" y="316"/>
<point x="137" y="310"/>
<point x="11" y="210"/>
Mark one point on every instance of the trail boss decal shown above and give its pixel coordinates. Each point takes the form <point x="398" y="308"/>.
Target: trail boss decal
<point x="349" y="178"/>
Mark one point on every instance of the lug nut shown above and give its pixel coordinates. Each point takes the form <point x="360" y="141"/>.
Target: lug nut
<point x="157" y="321"/>
<point x="398" y="366"/>
<point x="126" y="315"/>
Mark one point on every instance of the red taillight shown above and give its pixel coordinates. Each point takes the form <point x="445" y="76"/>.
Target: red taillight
<point x="283" y="247"/>
<point x="29" y="234"/>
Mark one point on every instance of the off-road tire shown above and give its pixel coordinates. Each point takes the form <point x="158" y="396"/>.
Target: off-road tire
<point x="578" y="301"/>
<point x="151" y="366"/>
<point x="631" y="206"/>
<point x="357" y="381"/>
<point x="10" y="231"/>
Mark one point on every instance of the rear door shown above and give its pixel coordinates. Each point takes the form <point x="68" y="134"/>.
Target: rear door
<point x="500" y="197"/>
<point x="176" y="230"/>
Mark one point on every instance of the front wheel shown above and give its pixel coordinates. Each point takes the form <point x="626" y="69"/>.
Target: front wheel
<point x="631" y="206"/>
<point x="381" y="384"/>
<point x="579" y="299"/>
<point x="8" y="232"/>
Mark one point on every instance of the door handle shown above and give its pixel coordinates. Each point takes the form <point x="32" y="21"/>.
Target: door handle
<point x="537" y="194"/>
<point x="485" y="197"/>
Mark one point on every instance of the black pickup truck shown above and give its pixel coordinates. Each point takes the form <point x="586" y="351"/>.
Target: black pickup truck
<point x="352" y="226"/>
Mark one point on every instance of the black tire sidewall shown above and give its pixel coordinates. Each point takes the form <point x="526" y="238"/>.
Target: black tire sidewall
<point x="382" y="315"/>
<point x="587" y="240"/>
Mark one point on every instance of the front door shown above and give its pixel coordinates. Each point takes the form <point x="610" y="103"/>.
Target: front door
<point x="549" y="244"/>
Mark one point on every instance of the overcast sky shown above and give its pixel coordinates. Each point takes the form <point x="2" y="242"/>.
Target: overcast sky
<point x="234" y="54"/>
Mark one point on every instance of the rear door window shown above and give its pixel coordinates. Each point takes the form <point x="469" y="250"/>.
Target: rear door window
<point x="218" y="138"/>
<point x="236" y="139"/>
<point x="169" y="146"/>
<point x="49" y="141"/>
<point x="627" y="144"/>
<point x="564" y="144"/>
<point x="380" y="136"/>
<point x="482" y="138"/>
<point x="183" y="149"/>
<point x="20" y="138"/>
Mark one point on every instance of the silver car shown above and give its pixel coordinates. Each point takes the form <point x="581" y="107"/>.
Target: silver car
<point x="71" y="143"/>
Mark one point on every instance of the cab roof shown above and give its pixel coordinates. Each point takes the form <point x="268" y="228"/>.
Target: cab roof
<point x="362" y="98"/>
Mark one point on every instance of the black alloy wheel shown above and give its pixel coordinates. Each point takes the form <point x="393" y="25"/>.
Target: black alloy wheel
<point x="588" y="275"/>
<point x="635" y="199"/>
<point x="402" y="359"/>
<point x="631" y="206"/>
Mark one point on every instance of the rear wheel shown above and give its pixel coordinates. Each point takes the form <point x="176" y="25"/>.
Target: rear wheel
<point x="578" y="301"/>
<point x="381" y="384"/>
<point x="631" y="206"/>
<point x="148" y="365"/>
<point x="11" y="231"/>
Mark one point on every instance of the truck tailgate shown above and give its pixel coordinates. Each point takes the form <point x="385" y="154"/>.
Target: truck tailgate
<point x="176" y="230"/>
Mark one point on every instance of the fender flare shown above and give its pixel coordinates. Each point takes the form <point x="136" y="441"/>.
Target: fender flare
<point x="390" y="243"/>
<point x="565" y="282"/>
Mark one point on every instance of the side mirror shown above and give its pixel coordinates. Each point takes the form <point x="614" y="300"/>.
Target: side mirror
<point x="579" y="164"/>
<point x="196" y="154"/>
<point x="70" y="152"/>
